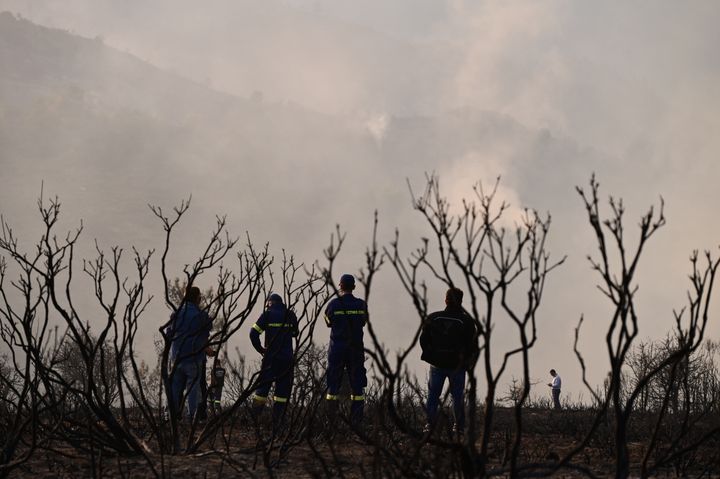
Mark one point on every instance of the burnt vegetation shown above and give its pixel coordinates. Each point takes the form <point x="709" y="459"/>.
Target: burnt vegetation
<point x="77" y="398"/>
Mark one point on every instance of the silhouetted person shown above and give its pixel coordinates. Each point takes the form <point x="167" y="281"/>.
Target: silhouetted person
<point x="556" y="384"/>
<point x="280" y="326"/>
<point x="189" y="330"/>
<point x="346" y="316"/>
<point x="217" y="381"/>
<point x="449" y="344"/>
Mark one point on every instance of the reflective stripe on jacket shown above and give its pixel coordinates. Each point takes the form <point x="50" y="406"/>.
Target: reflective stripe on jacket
<point x="346" y="316"/>
<point x="280" y="326"/>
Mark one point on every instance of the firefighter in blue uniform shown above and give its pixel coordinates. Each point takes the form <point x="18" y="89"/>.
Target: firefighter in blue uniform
<point x="280" y="326"/>
<point x="346" y="316"/>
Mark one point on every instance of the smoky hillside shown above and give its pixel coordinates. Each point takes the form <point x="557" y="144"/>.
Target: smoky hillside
<point x="76" y="112"/>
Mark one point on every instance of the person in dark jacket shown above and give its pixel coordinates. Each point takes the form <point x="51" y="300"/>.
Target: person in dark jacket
<point x="217" y="381"/>
<point x="449" y="344"/>
<point x="346" y="316"/>
<point x="188" y="331"/>
<point x="280" y="326"/>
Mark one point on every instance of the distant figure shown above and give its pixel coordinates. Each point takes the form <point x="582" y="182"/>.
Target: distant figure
<point x="280" y="326"/>
<point x="556" y="384"/>
<point x="189" y="330"/>
<point x="217" y="381"/>
<point x="346" y="316"/>
<point x="449" y="344"/>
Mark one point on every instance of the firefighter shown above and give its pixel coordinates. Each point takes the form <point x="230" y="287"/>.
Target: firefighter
<point x="217" y="381"/>
<point x="188" y="331"/>
<point x="280" y="326"/>
<point x="346" y="316"/>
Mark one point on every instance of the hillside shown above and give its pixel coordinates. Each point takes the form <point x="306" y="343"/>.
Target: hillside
<point x="81" y="115"/>
<point x="109" y="133"/>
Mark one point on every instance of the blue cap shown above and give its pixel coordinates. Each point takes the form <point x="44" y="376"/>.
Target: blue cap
<point x="275" y="298"/>
<point x="347" y="280"/>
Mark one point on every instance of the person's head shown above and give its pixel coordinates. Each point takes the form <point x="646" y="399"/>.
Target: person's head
<point x="274" y="299"/>
<point x="553" y="373"/>
<point x="192" y="295"/>
<point x="454" y="297"/>
<point x="347" y="283"/>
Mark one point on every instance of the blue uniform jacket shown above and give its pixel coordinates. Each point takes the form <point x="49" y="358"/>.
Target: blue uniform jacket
<point x="346" y="316"/>
<point x="280" y="326"/>
<point x="189" y="331"/>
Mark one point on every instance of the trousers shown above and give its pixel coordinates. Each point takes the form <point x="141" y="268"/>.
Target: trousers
<point x="186" y="379"/>
<point x="352" y="360"/>
<point x="436" y="381"/>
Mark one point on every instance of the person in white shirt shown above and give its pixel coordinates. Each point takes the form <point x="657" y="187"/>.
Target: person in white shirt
<point x="555" y="385"/>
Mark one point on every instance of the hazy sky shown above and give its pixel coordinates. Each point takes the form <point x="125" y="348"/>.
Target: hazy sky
<point x="628" y="89"/>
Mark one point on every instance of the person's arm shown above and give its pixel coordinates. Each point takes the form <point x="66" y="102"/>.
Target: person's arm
<point x="294" y="322"/>
<point x="328" y="315"/>
<point x="425" y="334"/>
<point x="255" y="331"/>
<point x="206" y="328"/>
<point x="172" y="326"/>
<point x="471" y="343"/>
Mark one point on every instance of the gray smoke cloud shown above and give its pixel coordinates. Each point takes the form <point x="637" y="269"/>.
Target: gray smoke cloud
<point x="541" y="93"/>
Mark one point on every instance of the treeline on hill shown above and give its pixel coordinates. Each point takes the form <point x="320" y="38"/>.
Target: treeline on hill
<point x="76" y="396"/>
